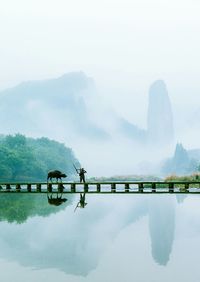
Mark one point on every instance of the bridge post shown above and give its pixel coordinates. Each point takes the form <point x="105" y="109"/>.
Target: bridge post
<point x="187" y="186"/>
<point x="98" y="187"/>
<point x="153" y="187"/>
<point x="8" y="187"/>
<point x="127" y="188"/>
<point x="73" y="187"/>
<point x="171" y="187"/>
<point x="85" y="187"/>
<point x="29" y="187"/>
<point x="38" y="187"/>
<point x="60" y="187"/>
<point x="140" y="187"/>
<point x="18" y="187"/>
<point x="49" y="187"/>
<point x="113" y="187"/>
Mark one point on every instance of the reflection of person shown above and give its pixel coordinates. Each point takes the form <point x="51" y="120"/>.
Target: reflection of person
<point x="81" y="173"/>
<point x="81" y="203"/>
<point x="82" y="200"/>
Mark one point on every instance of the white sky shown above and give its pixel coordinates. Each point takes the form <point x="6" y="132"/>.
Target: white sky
<point x="124" y="45"/>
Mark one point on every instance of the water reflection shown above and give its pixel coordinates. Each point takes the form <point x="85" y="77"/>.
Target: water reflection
<point x="55" y="199"/>
<point x="180" y="198"/>
<point x="161" y="227"/>
<point x="81" y="203"/>
<point x="75" y="243"/>
<point x="18" y="208"/>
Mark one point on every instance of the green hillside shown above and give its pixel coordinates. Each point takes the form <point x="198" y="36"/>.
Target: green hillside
<point x="28" y="159"/>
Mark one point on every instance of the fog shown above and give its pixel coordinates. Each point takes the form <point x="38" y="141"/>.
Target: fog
<point x="124" y="46"/>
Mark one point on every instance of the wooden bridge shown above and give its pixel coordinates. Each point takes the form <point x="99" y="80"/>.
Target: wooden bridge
<point x="103" y="187"/>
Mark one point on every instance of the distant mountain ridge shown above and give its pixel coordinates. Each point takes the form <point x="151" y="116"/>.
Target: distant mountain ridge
<point x="61" y="103"/>
<point x="35" y="105"/>
<point x="183" y="162"/>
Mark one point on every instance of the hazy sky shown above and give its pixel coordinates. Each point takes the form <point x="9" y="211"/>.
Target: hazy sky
<point x="124" y="45"/>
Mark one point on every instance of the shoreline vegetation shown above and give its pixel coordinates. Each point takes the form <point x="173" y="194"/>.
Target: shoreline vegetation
<point x="171" y="178"/>
<point x="25" y="159"/>
<point x="187" y="178"/>
<point x="125" y="178"/>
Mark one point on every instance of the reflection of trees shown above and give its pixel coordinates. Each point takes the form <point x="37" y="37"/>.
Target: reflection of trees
<point x="19" y="207"/>
<point x="161" y="227"/>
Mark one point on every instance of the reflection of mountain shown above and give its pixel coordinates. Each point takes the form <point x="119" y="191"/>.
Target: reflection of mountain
<point x="161" y="226"/>
<point x="180" y="198"/>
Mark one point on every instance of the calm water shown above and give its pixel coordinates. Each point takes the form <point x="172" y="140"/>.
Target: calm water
<point x="114" y="238"/>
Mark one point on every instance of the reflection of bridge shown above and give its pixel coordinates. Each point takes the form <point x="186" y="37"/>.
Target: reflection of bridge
<point x="103" y="187"/>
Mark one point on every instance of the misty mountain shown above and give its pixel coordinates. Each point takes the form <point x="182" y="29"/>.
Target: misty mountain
<point x="132" y="131"/>
<point x="160" y="126"/>
<point x="41" y="107"/>
<point x="69" y="109"/>
<point x="194" y="154"/>
<point x="181" y="163"/>
<point x="56" y="103"/>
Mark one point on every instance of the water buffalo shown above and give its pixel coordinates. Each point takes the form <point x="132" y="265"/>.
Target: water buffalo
<point x="55" y="174"/>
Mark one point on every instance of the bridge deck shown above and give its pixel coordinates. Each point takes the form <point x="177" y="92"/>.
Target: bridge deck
<point x="147" y="187"/>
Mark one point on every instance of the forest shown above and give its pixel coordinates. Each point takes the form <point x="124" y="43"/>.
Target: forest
<point x="28" y="159"/>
